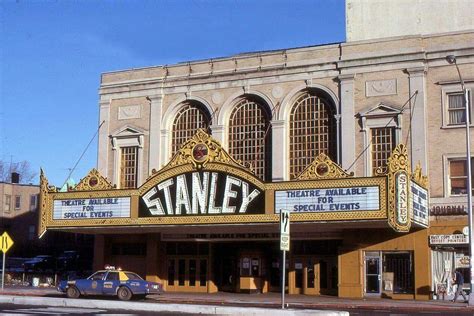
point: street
(13, 309)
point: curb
(162, 307)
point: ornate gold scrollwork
(200, 150)
(92, 182)
(399, 210)
(418, 176)
(45, 202)
(323, 168)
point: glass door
(373, 276)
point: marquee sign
(203, 193)
(203, 185)
(401, 198)
(91, 208)
(399, 209)
(419, 203)
(328, 200)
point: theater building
(197, 159)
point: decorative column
(152, 257)
(156, 105)
(103, 139)
(418, 113)
(218, 133)
(279, 151)
(164, 152)
(347, 122)
(99, 249)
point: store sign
(401, 197)
(448, 239)
(446, 209)
(201, 193)
(328, 200)
(461, 261)
(97, 208)
(419, 202)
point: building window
(401, 265)
(188, 120)
(458, 176)
(31, 232)
(17, 202)
(382, 143)
(128, 167)
(312, 131)
(454, 106)
(33, 202)
(456, 109)
(250, 137)
(8, 202)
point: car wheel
(73, 292)
(124, 293)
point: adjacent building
(20, 205)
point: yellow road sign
(5, 242)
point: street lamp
(451, 59)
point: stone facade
(371, 19)
(409, 74)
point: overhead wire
(83, 153)
(391, 119)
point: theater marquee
(204, 185)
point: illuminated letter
(200, 192)
(182, 197)
(228, 193)
(246, 198)
(154, 206)
(166, 186)
(212, 196)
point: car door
(111, 283)
(94, 284)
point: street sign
(284, 246)
(5, 242)
(285, 230)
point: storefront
(449, 252)
(206, 223)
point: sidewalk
(272, 300)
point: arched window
(250, 136)
(188, 120)
(312, 131)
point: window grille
(401, 265)
(247, 140)
(188, 120)
(383, 143)
(456, 109)
(312, 131)
(128, 167)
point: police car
(112, 282)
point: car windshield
(133, 276)
(99, 275)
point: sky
(52, 54)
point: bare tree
(22, 167)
